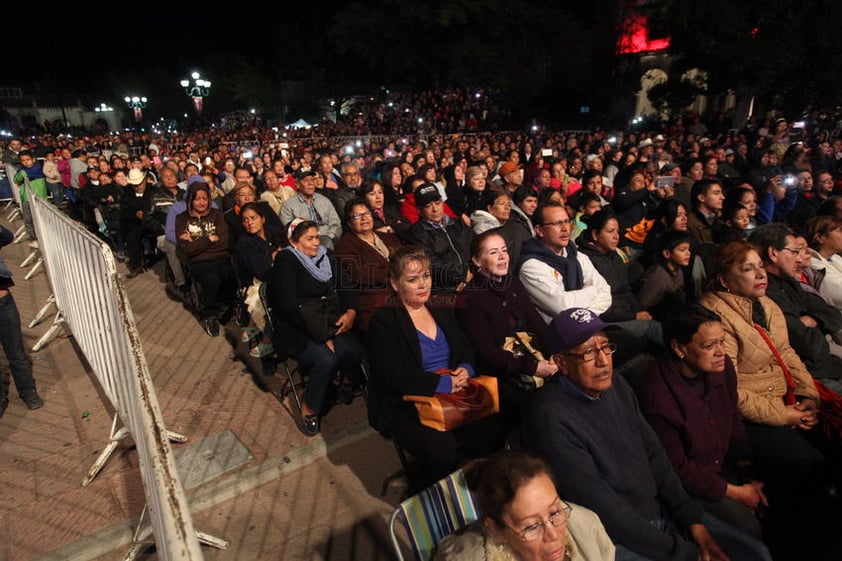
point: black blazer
(394, 353)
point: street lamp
(197, 90)
(137, 104)
(103, 108)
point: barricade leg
(32, 257)
(141, 540)
(43, 312)
(35, 268)
(20, 233)
(58, 325)
(113, 440)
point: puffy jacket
(761, 384)
(449, 249)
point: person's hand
(709, 550)
(643, 315)
(213, 238)
(330, 346)
(750, 494)
(185, 236)
(109, 199)
(345, 321)
(669, 192)
(808, 321)
(799, 416)
(458, 380)
(466, 220)
(546, 368)
(139, 214)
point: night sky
(92, 38)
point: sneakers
(134, 272)
(32, 399)
(249, 333)
(262, 349)
(211, 326)
(310, 424)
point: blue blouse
(435, 355)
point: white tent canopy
(300, 124)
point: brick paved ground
(299, 498)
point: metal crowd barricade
(92, 302)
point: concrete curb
(216, 492)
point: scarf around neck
(318, 266)
(568, 266)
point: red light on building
(635, 37)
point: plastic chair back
(432, 514)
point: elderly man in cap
(313, 206)
(588, 424)
(137, 220)
(511, 176)
(447, 240)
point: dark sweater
(489, 312)
(697, 432)
(607, 458)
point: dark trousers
(133, 233)
(793, 469)
(11, 339)
(439, 453)
(217, 285)
(321, 365)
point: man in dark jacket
(809, 319)
(605, 456)
(137, 219)
(447, 241)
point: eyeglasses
(557, 223)
(590, 354)
(558, 518)
(360, 216)
(794, 250)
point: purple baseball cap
(574, 326)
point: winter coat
(761, 384)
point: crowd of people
(542, 260)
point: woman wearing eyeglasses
(524, 519)
(363, 258)
(778, 401)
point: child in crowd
(589, 204)
(661, 288)
(736, 220)
(31, 179)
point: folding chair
(432, 514)
(290, 386)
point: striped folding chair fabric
(432, 514)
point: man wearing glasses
(556, 275)
(587, 423)
(809, 319)
(347, 190)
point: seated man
(313, 206)
(556, 275)
(809, 319)
(607, 458)
(446, 240)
